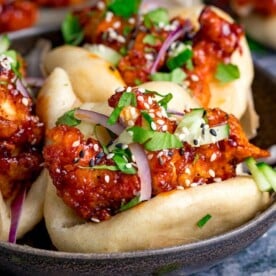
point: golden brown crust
(166, 220)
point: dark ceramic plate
(34, 255)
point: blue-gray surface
(259, 259)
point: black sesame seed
(92, 162)
(181, 151)
(170, 153)
(213, 132)
(111, 68)
(195, 142)
(81, 154)
(98, 157)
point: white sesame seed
(150, 156)
(194, 77)
(164, 128)
(161, 153)
(217, 179)
(124, 146)
(140, 98)
(76, 144)
(108, 16)
(213, 157)
(194, 184)
(133, 112)
(130, 123)
(117, 24)
(129, 89)
(131, 20)
(147, 106)
(101, 5)
(121, 39)
(160, 122)
(212, 173)
(153, 125)
(149, 56)
(107, 178)
(95, 220)
(129, 165)
(150, 100)
(96, 147)
(110, 155)
(25, 101)
(187, 171)
(57, 170)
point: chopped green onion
(14, 62)
(130, 204)
(180, 59)
(124, 8)
(147, 118)
(101, 167)
(71, 30)
(204, 220)
(227, 72)
(156, 17)
(150, 39)
(123, 165)
(269, 173)
(68, 118)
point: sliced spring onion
(269, 173)
(68, 118)
(204, 220)
(180, 59)
(130, 204)
(124, 8)
(16, 210)
(4, 43)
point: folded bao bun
(32, 211)
(87, 72)
(168, 219)
(231, 97)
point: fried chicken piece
(21, 135)
(17, 15)
(97, 193)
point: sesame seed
(130, 122)
(119, 89)
(160, 122)
(213, 157)
(153, 125)
(100, 5)
(129, 89)
(194, 77)
(131, 20)
(110, 155)
(195, 141)
(92, 162)
(76, 160)
(150, 100)
(57, 170)
(188, 171)
(76, 144)
(140, 98)
(81, 154)
(187, 182)
(213, 132)
(161, 161)
(95, 220)
(217, 179)
(25, 101)
(133, 111)
(212, 173)
(194, 184)
(117, 24)
(150, 156)
(146, 105)
(96, 147)
(108, 16)
(128, 165)
(149, 56)
(107, 178)
(181, 151)
(179, 188)
(164, 128)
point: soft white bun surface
(166, 220)
(93, 79)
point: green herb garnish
(4, 43)
(177, 76)
(124, 8)
(180, 59)
(68, 118)
(127, 99)
(150, 39)
(203, 220)
(71, 30)
(227, 72)
(156, 17)
(130, 204)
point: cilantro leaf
(150, 39)
(68, 118)
(227, 72)
(124, 8)
(71, 30)
(156, 17)
(177, 76)
(122, 164)
(180, 59)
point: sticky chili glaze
(17, 15)
(58, 3)
(21, 136)
(97, 194)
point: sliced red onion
(98, 118)
(22, 88)
(165, 46)
(35, 82)
(136, 149)
(143, 170)
(16, 210)
(174, 112)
